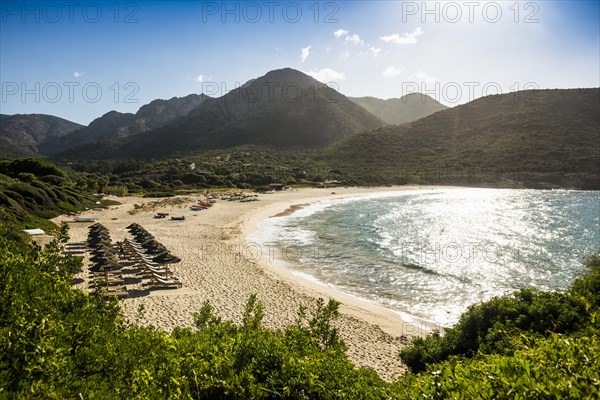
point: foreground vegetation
(56, 342)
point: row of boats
(240, 196)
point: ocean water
(432, 253)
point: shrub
(557, 367)
(587, 287)
(32, 199)
(35, 166)
(487, 327)
(32, 195)
(26, 177)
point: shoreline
(215, 268)
(392, 322)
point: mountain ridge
(549, 138)
(284, 107)
(397, 111)
(117, 125)
(24, 135)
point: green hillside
(541, 138)
(33, 190)
(27, 135)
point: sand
(221, 266)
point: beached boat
(178, 218)
(84, 219)
(33, 232)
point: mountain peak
(283, 108)
(418, 97)
(286, 77)
(274, 89)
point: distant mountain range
(115, 125)
(408, 108)
(24, 135)
(284, 108)
(549, 138)
(541, 138)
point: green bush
(587, 287)
(148, 184)
(32, 195)
(31, 200)
(54, 180)
(488, 327)
(557, 367)
(26, 177)
(35, 166)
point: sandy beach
(220, 265)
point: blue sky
(82, 60)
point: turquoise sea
(432, 253)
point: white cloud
(421, 76)
(407, 38)
(305, 53)
(391, 72)
(200, 78)
(77, 74)
(327, 75)
(354, 39)
(348, 38)
(375, 50)
(340, 33)
(371, 51)
(346, 55)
